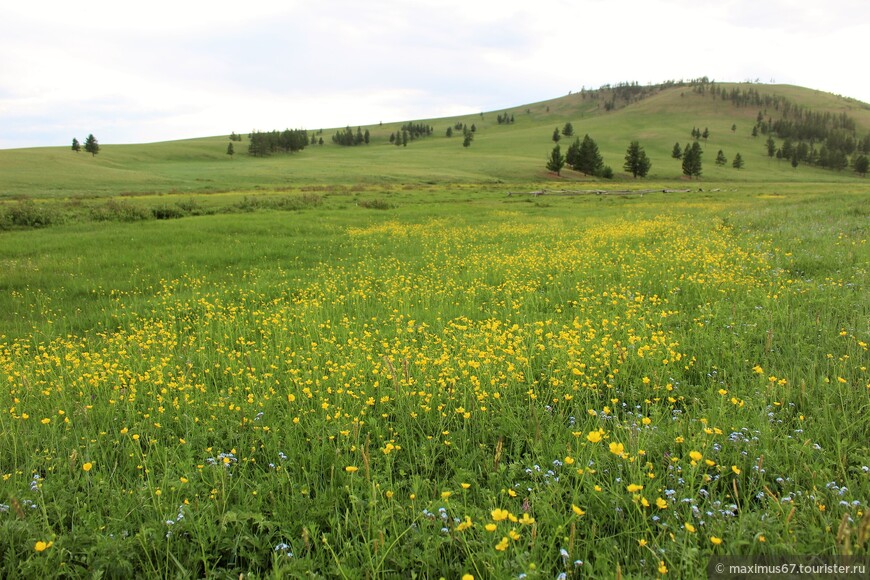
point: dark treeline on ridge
(819, 138)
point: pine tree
(861, 164)
(677, 152)
(738, 162)
(692, 160)
(636, 160)
(771, 146)
(720, 158)
(568, 130)
(556, 161)
(556, 135)
(230, 150)
(91, 145)
(76, 146)
(589, 160)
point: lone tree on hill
(636, 161)
(91, 145)
(230, 149)
(568, 129)
(720, 158)
(738, 162)
(589, 160)
(556, 161)
(692, 160)
(76, 146)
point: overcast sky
(158, 70)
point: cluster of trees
(823, 139)
(721, 160)
(504, 119)
(698, 134)
(348, 138)
(235, 137)
(92, 146)
(584, 156)
(263, 144)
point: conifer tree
(636, 160)
(92, 146)
(556, 161)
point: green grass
(218, 374)
(374, 362)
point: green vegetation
(372, 361)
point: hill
(657, 116)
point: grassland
(331, 378)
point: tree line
(265, 143)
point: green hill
(656, 116)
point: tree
(469, 137)
(636, 160)
(572, 158)
(450, 131)
(794, 159)
(556, 161)
(230, 150)
(92, 146)
(771, 146)
(692, 160)
(738, 162)
(720, 158)
(677, 152)
(755, 131)
(733, 127)
(705, 134)
(568, 130)
(367, 137)
(76, 146)
(556, 135)
(861, 164)
(589, 160)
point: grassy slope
(514, 153)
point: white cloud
(162, 70)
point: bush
(375, 204)
(167, 212)
(27, 214)
(114, 210)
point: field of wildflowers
(515, 392)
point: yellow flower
(662, 568)
(641, 542)
(689, 527)
(88, 466)
(490, 527)
(617, 448)
(577, 510)
(661, 503)
(569, 460)
(499, 515)
(351, 469)
(464, 525)
(465, 486)
(695, 455)
(502, 545)
(735, 469)
(634, 488)
(42, 546)
(715, 541)
(467, 577)
(515, 535)
(446, 494)
(46, 421)
(527, 519)
(594, 436)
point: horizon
(178, 72)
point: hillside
(499, 153)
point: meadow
(437, 381)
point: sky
(134, 72)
